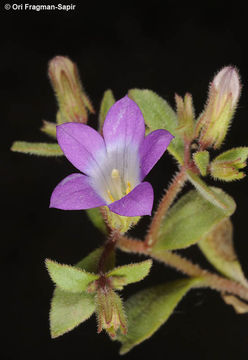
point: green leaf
(201, 159)
(218, 248)
(148, 309)
(216, 197)
(96, 218)
(107, 101)
(191, 218)
(69, 310)
(42, 149)
(49, 128)
(159, 115)
(131, 273)
(69, 278)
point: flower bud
(223, 97)
(185, 114)
(72, 100)
(226, 166)
(110, 312)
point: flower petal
(82, 145)
(137, 203)
(124, 124)
(152, 148)
(75, 193)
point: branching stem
(185, 266)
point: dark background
(160, 46)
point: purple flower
(114, 165)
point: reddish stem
(165, 203)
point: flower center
(119, 187)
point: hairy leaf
(217, 197)
(159, 115)
(42, 149)
(201, 159)
(190, 219)
(69, 278)
(132, 272)
(69, 310)
(148, 309)
(218, 248)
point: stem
(165, 203)
(108, 248)
(185, 266)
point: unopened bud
(223, 97)
(226, 166)
(72, 100)
(185, 114)
(110, 312)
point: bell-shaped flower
(113, 166)
(223, 98)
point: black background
(160, 46)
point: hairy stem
(108, 248)
(185, 266)
(165, 203)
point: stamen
(128, 189)
(110, 196)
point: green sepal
(191, 218)
(148, 309)
(226, 165)
(49, 128)
(128, 274)
(217, 197)
(68, 310)
(110, 312)
(201, 160)
(97, 219)
(119, 222)
(42, 149)
(69, 278)
(218, 248)
(107, 101)
(159, 115)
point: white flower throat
(119, 187)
